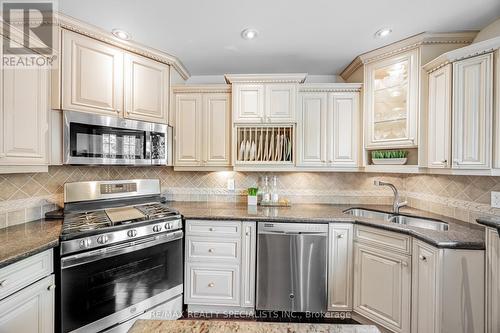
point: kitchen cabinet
(220, 265)
(202, 129)
(472, 112)
(328, 128)
(146, 89)
(492, 280)
(280, 103)
(24, 118)
(27, 297)
(92, 75)
(439, 118)
(340, 266)
(392, 101)
(382, 284)
(248, 103)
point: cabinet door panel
(439, 131)
(248, 103)
(217, 120)
(343, 124)
(92, 74)
(188, 129)
(472, 112)
(312, 130)
(492, 280)
(248, 262)
(382, 282)
(280, 102)
(340, 267)
(146, 89)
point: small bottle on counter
(274, 190)
(266, 194)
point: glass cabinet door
(392, 112)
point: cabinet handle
(211, 285)
(423, 258)
(51, 287)
(211, 250)
(340, 236)
(3, 283)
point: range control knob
(85, 243)
(168, 225)
(157, 228)
(132, 233)
(103, 239)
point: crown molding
(331, 87)
(351, 68)
(202, 88)
(265, 78)
(486, 46)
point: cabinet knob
(51, 287)
(211, 250)
(3, 283)
(444, 161)
(423, 258)
(247, 233)
(340, 236)
(211, 285)
(211, 229)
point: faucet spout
(396, 204)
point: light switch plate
(230, 184)
(495, 199)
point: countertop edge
(31, 252)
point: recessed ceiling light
(249, 34)
(382, 33)
(120, 34)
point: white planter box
(389, 161)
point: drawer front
(212, 284)
(213, 228)
(23, 273)
(213, 249)
(382, 238)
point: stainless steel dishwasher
(291, 267)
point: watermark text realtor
(29, 34)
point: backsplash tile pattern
(26, 197)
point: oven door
(104, 287)
(94, 139)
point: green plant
(252, 191)
(381, 154)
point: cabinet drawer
(213, 228)
(385, 239)
(213, 249)
(22, 273)
(212, 284)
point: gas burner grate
(85, 221)
(155, 211)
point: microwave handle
(147, 146)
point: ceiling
(310, 36)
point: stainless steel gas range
(120, 256)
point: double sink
(413, 221)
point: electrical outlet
(495, 199)
(230, 184)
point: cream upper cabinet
(202, 128)
(146, 89)
(492, 280)
(340, 261)
(92, 75)
(248, 103)
(439, 118)
(343, 129)
(24, 117)
(188, 129)
(472, 112)
(391, 101)
(217, 122)
(280, 102)
(312, 122)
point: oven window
(106, 142)
(100, 288)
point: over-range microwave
(90, 139)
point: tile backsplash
(26, 197)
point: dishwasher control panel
(291, 227)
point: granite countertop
(226, 326)
(460, 235)
(24, 240)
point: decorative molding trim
(205, 88)
(328, 87)
(351, 68)
(265, 78)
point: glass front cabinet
(391, 108)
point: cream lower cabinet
(328, 129)
(340, 263)
(382, 278)
(24, 118)
(220, 265)
(202, 130)
(473, 112)
(492, 280)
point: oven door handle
(87, 257)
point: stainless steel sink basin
(359, 212)
(420, 222)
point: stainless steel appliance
(94, 139)
(291, 267)
(121, 256)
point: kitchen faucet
(395, 204)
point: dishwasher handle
(293, 233)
